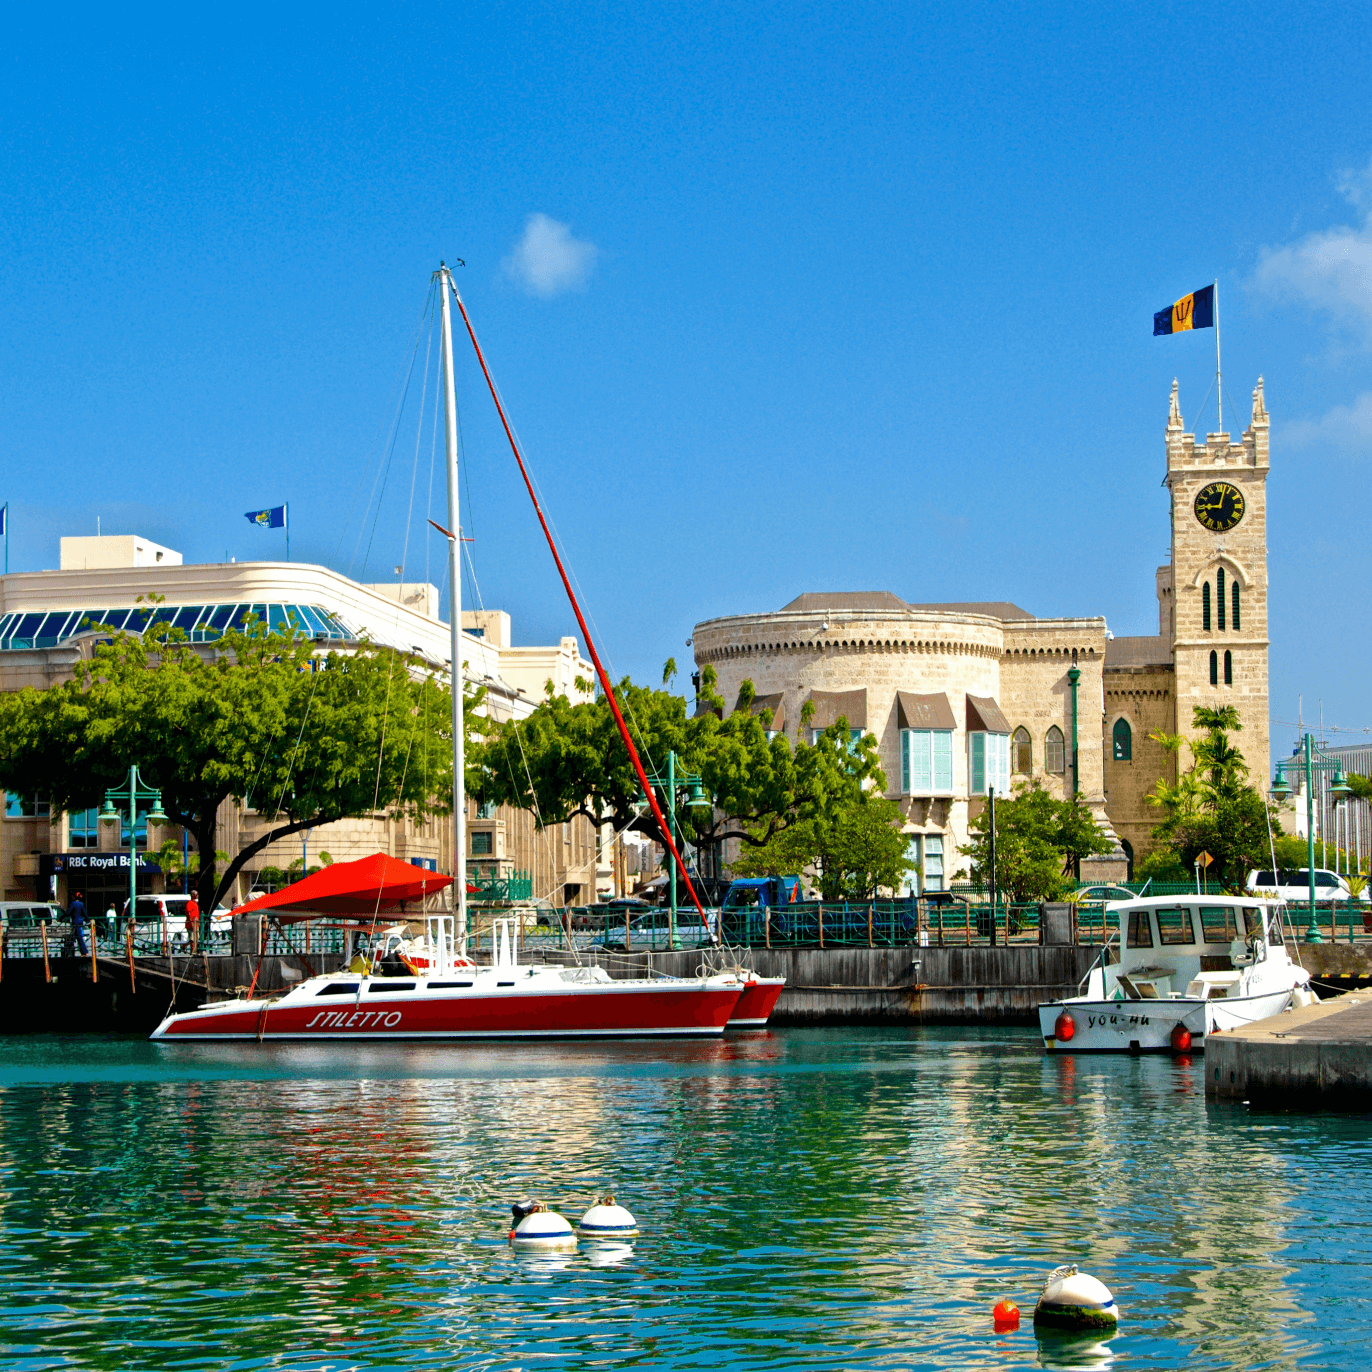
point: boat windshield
(1220, 924)
(1140, 929)
(1174, 925)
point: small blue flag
(4, 518)
(268, 519)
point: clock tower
(1214, 595)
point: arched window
(1228, 667)
(1053, 760)
(1021, 752)
(1124, 741)
(1234, 596)
(1219, 599)
(1214, 668)
(1205, 606)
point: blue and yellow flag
(269, 519)
(1194, 311)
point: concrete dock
(1317, 1058)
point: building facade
(44, 619)
(964, 697)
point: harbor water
(820, 1198)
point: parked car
(25, 914)
(150, 911)
(651, 932)
(1292, 884)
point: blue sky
(781, 298)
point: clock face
(1219, 506)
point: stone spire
(1174, 409)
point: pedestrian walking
(193, 924)
(111, 924)
(76, 912)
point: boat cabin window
(377, 987)
(1220, 924)
(339, 988)
(1140, 930)
(1174, 925)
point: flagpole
(7, 538)
(287, 521)
(1219, 392)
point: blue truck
(748, 900)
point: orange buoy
(1064, 1027)
(1005, 1316)
(1180, 1038)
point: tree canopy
(1211, 808)
(1040, 843)
(568, 759)
(256, 717)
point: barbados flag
(268, 519)
(1194, 311)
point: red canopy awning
(359, 889)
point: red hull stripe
(521, 1015)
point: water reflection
(807, 1200)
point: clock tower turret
(1218, 588)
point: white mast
(445, 285)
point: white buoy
(539, 1229)
(608, 1222)
(1071, 1299)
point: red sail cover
(361, 889)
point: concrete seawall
(920, 985)
(1316, 1058)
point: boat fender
(541, 1228)
(1070, 1299)
(1064, 1027)
(1180, 1039)
(607, 1221)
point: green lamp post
(130, 791)
(1307, 763)
(696, 798)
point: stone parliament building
(963, 697)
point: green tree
(1211, 808)
(568, 759)
(256, 718)
(854, 850)
(1040, 843)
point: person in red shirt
(193, 923)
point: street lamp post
(132, 790)
(696, 799)
(1311, 760)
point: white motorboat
(1184, 967)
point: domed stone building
(970, 696)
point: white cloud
(548, 260)
(1347, 428)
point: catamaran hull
(1146, 1026)
(653, 1010)
(755, 1005)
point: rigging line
(384, 470)
(429, 504)
(385, 720)
(537, 492)
(576, 609)
(309, 705)
(395, 387)
(414, 476)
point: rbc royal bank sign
(55, 864)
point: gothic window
(1053, 751)
(1228, 667)
(1205, 606)
(1022, 752)
(1124, 741)
(1214, 666)
(1234, 596)
(1219, 598)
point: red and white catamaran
(448, 996)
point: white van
(29, 914)
(1292, 884)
